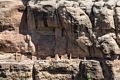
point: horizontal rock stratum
(59, 39)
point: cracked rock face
(15, 70)
(56, 70)
(61, 27)
(118, 13)
(64, 20)
(104, 12)
(91, 70)
(59, 39)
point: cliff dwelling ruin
(59, 39)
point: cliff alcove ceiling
(59, 39)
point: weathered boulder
(108, 45)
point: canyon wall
(59, 39)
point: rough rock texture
(10, 14)
(57, 70)
(10, 70)
(62, 27)
(73, 27)
(11, 42)
(58, 26)
(91, 70)
(80, 39)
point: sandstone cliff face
(16, 70)
(59, 39)
(10, 12)
(57, 70)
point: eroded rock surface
(91, 70)
(12, 70)
(57, 70)
(80, 39)
(11, 14)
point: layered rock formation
(16, 70)
(59, 39)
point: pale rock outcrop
(86, 5)
(84, 42)
(109, 45)
(31, 46)
(10, 14)
(104, 16)
(12, 42)
(114, 69)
